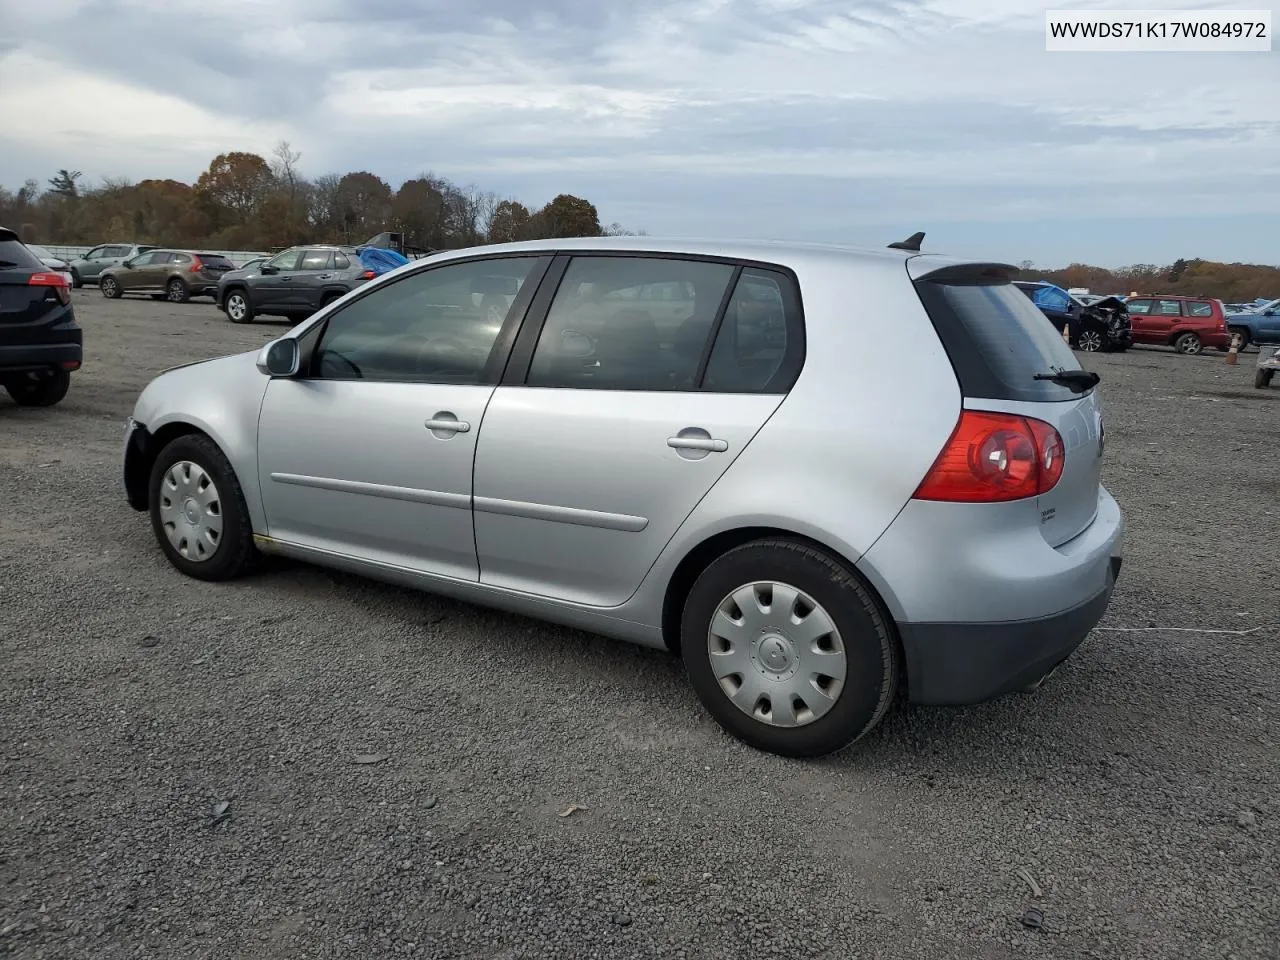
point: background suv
(295, 283)
(1188, 324)
(86, 269)
(177, 274)
(40, 342)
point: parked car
(177, 275)
(1268, 364)
(1188, 324)
(40, 342)
(57, 264)
(86, 269)
(1259, 325)
(1102, 324)
(294, 283)
(689, 485)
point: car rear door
(613, 421)
(303, 287)
(1164, 316)
(1139, 311)
(368, 453)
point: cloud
(666, 114)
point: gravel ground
(1138, 788)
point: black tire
(243, 313)
(1242, 333)
(175, 291)
(76, 282)
(1189, 343)
(871, 649)
(234, 553)
(1262, 378)
(39, 389)
(110, 288)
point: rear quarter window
(997, 340)
(1200, 309)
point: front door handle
(447, 424)
(709, 444)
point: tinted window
(148, 259)
(340, 261)
(315, 260)
(217, 261)
(629, 323)
(431, 327)
(1168, 308)
(286, 261)
(997, 340)
(179, 258)
(1200, 309)
(759, 347)
(1139, 306)
(14, 254)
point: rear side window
(315, 260)
(340, 261)
(179, 258)
(1200, 309)
(1169, 308)
(997, 340)
(14, 254)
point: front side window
(286, 261)
(437, 326)
(99, 253)
(629, 323)
(315, 260)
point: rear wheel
(39, 389)
(75, 280)
(787, 649)
(238, 308)
(175, 291)
(110, 288)
(198, 513)
(1188, 343)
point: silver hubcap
(109, 287)
(191, 511)
(1190, 346)
(175, 291)
(235, 306)
(777, 654)
(1090, 341)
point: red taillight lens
(993, 457)
(57, 281)
(368, 274)
(196, 265)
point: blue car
(1102, 325)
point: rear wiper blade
(1076, 380)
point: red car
(1188, 324)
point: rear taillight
(59, 283)
(993, 457)
(368, 274)
(196, 264)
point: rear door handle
(709, 444)
(449, 426)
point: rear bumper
(967, 663)
(20, 358)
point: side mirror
(279, 358)
(127, 264)
(268, 268)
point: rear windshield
(998, 340)
(14, 254)
(215, 260)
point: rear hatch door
(26, 310)
(999, 343)
(214, 266)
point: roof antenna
(911, 243)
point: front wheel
(110, 288)
(198, 513)
(238, 308)
(39, 389)
(1188, 343)
(787, 649)
(1090, 341)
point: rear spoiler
(947, 270)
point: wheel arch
(704, 553)
(140, 456)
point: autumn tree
(235, 185)
(510, 222)
(568, 216)
(364, 202)
(418, 210)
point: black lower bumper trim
(958, 664)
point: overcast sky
(855, 121)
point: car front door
(136, 274)
(368, 453)
(269, 289)
(613, 422)
(1139, 312)
(94, 262)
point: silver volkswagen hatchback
(712, 448)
